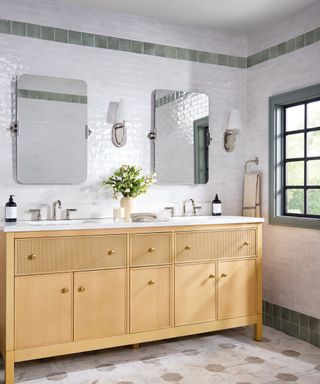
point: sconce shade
(123, 111)
(234, 122)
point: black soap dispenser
(216, 206)
(11, 210)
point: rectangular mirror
(51, 130)
(180, 137)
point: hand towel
(251, 195)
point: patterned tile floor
(228, 357)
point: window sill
(299, 222)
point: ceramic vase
(128, 204)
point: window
(295, 158)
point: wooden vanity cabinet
(66, 292)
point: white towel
(251, 195)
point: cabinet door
(150, 298)
(237, 288)
(99, 303)
(43, 310)
(195, 293)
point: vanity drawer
(150, 249)
(208, 245)
(69, 253)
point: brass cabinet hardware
(64, 290)
(81, 289)
(224, 275)
(151, 282)
(32, 257)
(152, 249)
(211, 276)
(188, 247)
(246, 243)
(112, 252)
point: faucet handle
(195, 209)
(171, 209)
(38, 212)
(68, 212)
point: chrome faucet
(194, 207)
(54, 210)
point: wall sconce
(119, 129)
(233, 127)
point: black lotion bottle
(11, 211)
(216, 206)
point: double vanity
(76, 286)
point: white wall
(291, 255)
(112, 75)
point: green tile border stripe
(52, 96)
(170, 98)
(60, 35)
(304, 327)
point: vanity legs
(258, 329)
(9, 368)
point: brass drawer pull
(151, 282)
(188, 247)
(81, 289)
(32, 257)
(224, 275)
(151, 249)
(64, 290)
(112, 252)
(211, 276)
(246, 243)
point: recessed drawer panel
(208, 245)
(70, 253)
(150, 249)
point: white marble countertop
(61, 225)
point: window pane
(295, 201)
(314, 143)
(295, 118)
(313, 172)
(313, 199)
(295, 173)
(295, 145)
(313, 114)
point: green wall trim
(66, 36)
(52, 96)
(304, 327)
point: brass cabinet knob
(112, 252)
(151, 282)
(32, 257)
(64, 290)
(224, 275)
(188, 247)
(211, 276)
(246, 243)
(151, 249)
(81, 289)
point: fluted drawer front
(150, 249)
(69, 253)
(208, 245)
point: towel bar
(256, 161)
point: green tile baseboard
(52, 96)
(66, 36)
(304, 327)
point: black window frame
(277, 163)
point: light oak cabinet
(150, 298)
(43, 310)
(71, 291)
(99, 304)
(237, 288)
(195, 293)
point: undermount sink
(188, 218)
